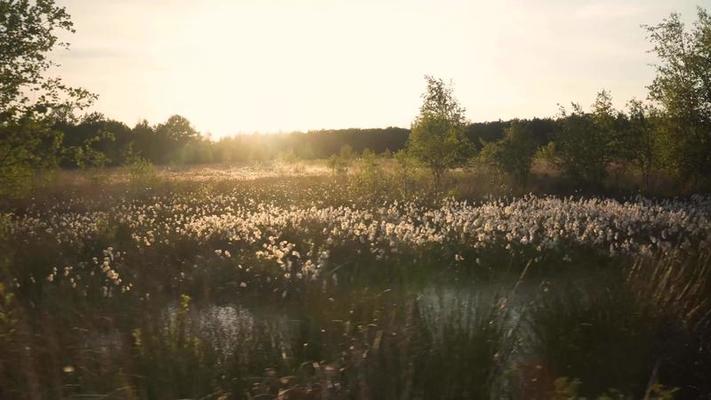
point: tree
(30, 101)
(437, 135)
(642, 140)
(682, 89)
(169, 138)
(178, 129)
(94, 141)
(609, 123)
(587, 142)
(28, 33)
(514, 153)
(25, 148)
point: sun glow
(242, 66)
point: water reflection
(444, 338)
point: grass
(364, 286)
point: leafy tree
(437, 136)
(370, 180)
(609, 123)
(164, 143)
(514, 153)
(28, 33)
(587, 142)
(144, 142)
(87, 155)
(178, 129)
(682, 89)
(95, 141)
(30, 101)
(172, 137)
(26, 147)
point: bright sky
(233, 66)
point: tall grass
(293, 288)
(634, 330)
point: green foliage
(580, 149)
(587, 142)
(643, 146)
(28, 144)
(609, 123)
(546, 153)
(87, 155)
(682, 88)
(437, 137)
(178, 129)
(370, 179)
(27, 149)
(669, 139)
(369, 159)
(96, 140)
(171, 138)
(142, 173)
(28, 34)
(405, 172)
(514, 153)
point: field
(297, 282)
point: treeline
(585, 145)
(96, 141)
(108, 142)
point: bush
(142, 173)
(513, 154)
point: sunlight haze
(268, 66)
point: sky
(240, 66)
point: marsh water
(447, 336)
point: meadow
(563, 257)
(298, 281)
